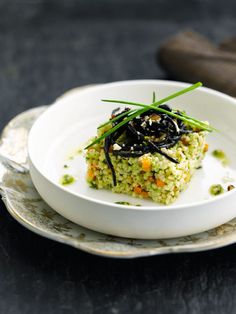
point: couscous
(133, 165)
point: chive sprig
(155, 105)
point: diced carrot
(205, 149)
(146, 164)
(90, 174)
(160, 183)
(138, 189)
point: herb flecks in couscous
(151, 175)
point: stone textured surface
(47, 47)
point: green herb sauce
(219, 154)
(79, 151)
(216, 189)
(127, 203)
(75, 153)
(67, 179)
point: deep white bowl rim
(130, 207)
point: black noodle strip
(162, 153)
(148, 133)
(108, 159)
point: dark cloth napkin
(190, 57)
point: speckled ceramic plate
(25, 205)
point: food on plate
(221, 156)
(126, 203)
(147, 153)
(230, 187)
(67, 179)
(216, 189)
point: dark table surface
(46, 48)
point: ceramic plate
(70, 122)
(27, 207)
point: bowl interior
(59, 135)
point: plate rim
(222, 241)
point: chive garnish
(116, 118)
(134, 113)
(153, 97)
(184, 117)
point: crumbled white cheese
(116, 147)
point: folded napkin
(190, 57)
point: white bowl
(73, 119)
